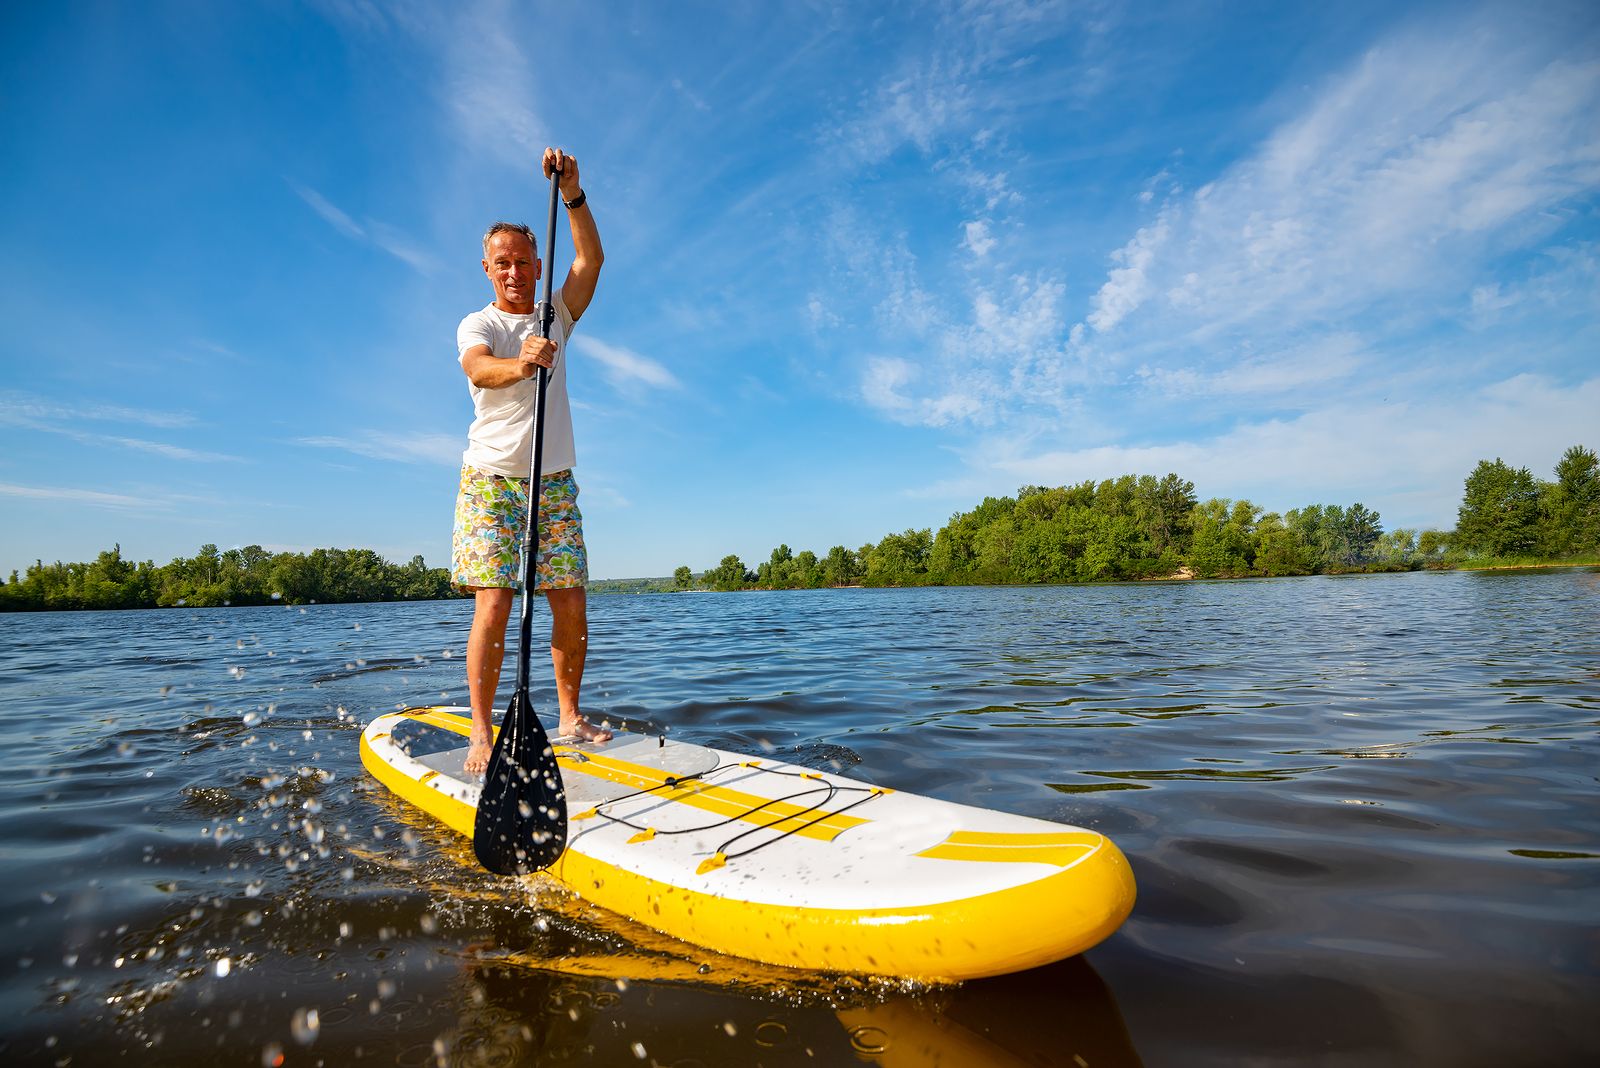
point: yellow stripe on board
(1015, 838)
(990, 847)
(445, 721)
(783, 816)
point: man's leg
(569, 644)
(486, 651)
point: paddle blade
(522, 812)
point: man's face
(514, 270)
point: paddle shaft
(530, 540)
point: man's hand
(558, 162)
(536, 352)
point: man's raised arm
(578, 290)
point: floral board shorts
(491, 516)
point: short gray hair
(510, 228)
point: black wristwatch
(576, 202)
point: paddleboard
(789, 865)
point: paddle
(522, 812)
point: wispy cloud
(1530, 419)
(400, 448)
(1376, 211)
(29, 409)
(1409, 172)
(336, 218)
(52, 417)
(1293, 371)
(388, 238)
(623, 367)
(75, 496)
(695, 100)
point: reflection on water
(1362, 813)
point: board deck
(788, 865)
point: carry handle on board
(521, 825)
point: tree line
(1142, 527)
(247, 576)
(1133, 527)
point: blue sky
(866, 263)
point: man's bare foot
(581, 729)
(478, 757)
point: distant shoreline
(664, 585)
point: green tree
(1165, 509)
(1499, 514)
(1278, 550)
(900, 559)
(1223, 542)
(729, 575)
(805, 574)
(841, 567)
(1361, 530)
(1571, 519)
(683, 578)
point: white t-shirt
(501, 437)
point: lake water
(1362, 813)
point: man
(501, 352)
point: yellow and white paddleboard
(777, 863)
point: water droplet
(639, 1050)
(386, 988)
(271, 1055)
(253, 918)
(305, 1025)
(730, 1028)
(428, 924)
(224, 966)
(252, 718)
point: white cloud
(973, 368)
(978, 240)
(388, 238)
(623, 367)
(1341, 452)
(331, 214)
(695, 101)
(76, 496)
(1128, 285)
(402, 448)
(1427, 158)
(488, 83)
(49, 417)
(1300, 371)
(1383, 210)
